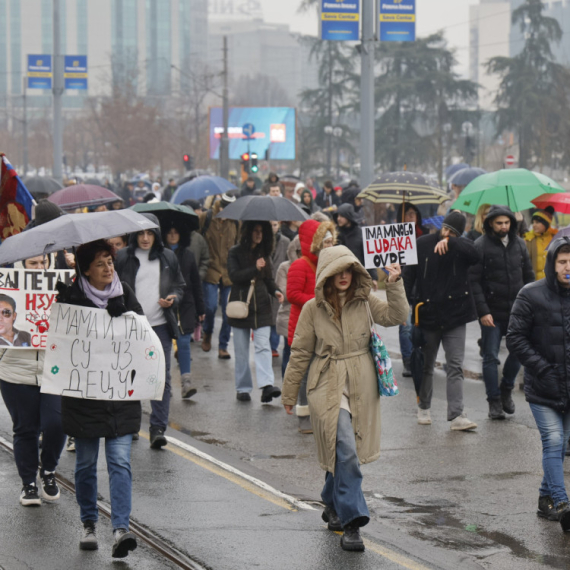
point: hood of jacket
(320, 234)
(306, 233)
(498, 210)
(293, 249)
(549, 268)
(347, 211)
(157, 246)
(409, 206)
(333, 260)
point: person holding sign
(438, 286)
(97, 285)
(332, 341)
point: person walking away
(332, 341)
(314, 237)
(191, 307)
(538, 334)
(249, 261)
(282, 323)
(538, 239)
(279, 255)
(220, 235)
(32, 413)
(439, 285)
(153, 273)
(97, 285)
(503, 269)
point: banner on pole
(40, 72)
(397, 20)
(339, 20)
(26, 299)
(75, 72)
(91, 355)
(388, 244)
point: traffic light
(188, 162)
(245, 161)
(254, 165)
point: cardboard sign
(26, 299)
(91, 355)
(388, 244)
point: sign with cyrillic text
(389, 244)
(94, 356)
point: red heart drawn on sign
(131, 392)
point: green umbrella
(514, 188)
(182, 216)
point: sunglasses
(6, 313)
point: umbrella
(200, 187)
(70, 231)
(81, 195)
(42, 185)
(399, 187)
(417, 358)
(181, 216)
(262, 209)
(560, 202)
(466, 175)
(451, 170)
(514, 188)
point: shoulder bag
(240, 309)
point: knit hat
(46, 211)
(227, 199)
(455, 222)
(543, 217)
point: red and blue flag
(15, 201)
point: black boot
(496, 409)
(407, 373)
(563, 512)
(507, 401)
(351, 539)
(157, 439)
(329, 516)
(546, 508)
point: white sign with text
(388, 244)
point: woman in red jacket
(314, 237)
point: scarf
(101, 298)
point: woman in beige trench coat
(332, 339)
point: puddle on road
(442, 529)
(261, 456)
(462, 478)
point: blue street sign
(339, 20)
(248, 130)
(40, 72)
(75, 72)
(397, 20)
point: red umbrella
(559, 201)
(81, 195)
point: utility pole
(25, 127)
(225, 141)
(57, 94)
(367, 111)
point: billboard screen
(270, 128)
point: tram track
(150, 538)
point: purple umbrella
(81, 195)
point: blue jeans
(286, 357)
(343, 491)
(33, 412)
(274, 338)
(118, 456)
(184, 358)
(211, 293)
(161, 408)
(262, 358)
(405, 332)
(554, 428)
(490, 345)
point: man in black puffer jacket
(538, 334)
(504, 268)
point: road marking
(247, 482)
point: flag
(15, 201)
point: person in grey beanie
(438, 289)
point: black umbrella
(42, 185)
(183, 217)
(417, 358)
(70, 231)
(263, 209)
(466, 175)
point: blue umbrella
(200, 187)
(451, 170)
(466, 175)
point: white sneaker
(462, 423)
(424, 417)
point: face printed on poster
(94, 356)
(26, 300)
(388, 244)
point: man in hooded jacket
(153, 273)
(504, 268)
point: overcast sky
(432, 15)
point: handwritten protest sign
(388, 244)
(26, 298)
(91, 355)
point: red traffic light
(185, 158)
(245, 156)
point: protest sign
(26, 298)
(92, 355)
(388, 244)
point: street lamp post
(336, 133)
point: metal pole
(25, 129)
(57, 95)
(225, 142)
(367, 94)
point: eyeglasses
(6, 313)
